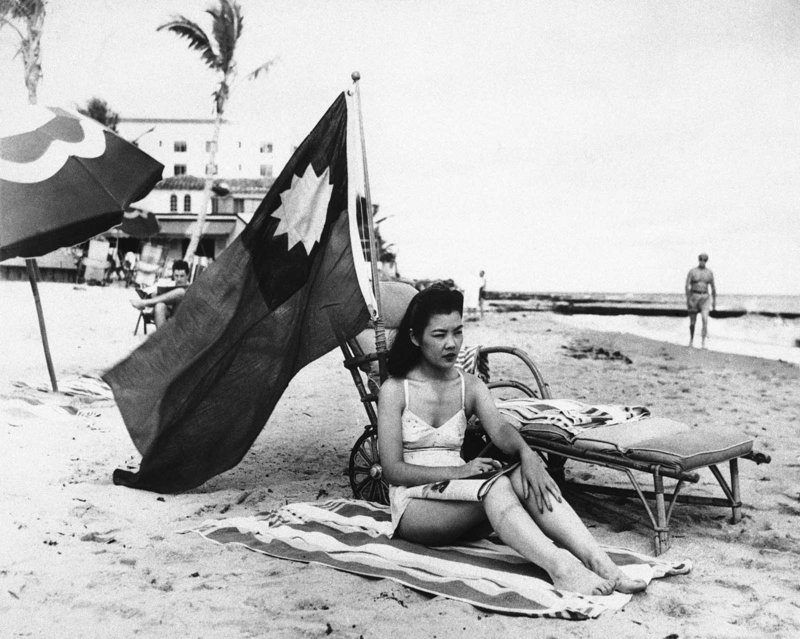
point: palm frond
(227, 25)
(185, 28)
(21, 9)
(264, 68)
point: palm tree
(26, 17)
(218, 55)
(99, 110)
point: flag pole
(380, 333)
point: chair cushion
(621, 437)
(695, 449)
(658, 440)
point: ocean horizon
(751, 303)
(760, 331)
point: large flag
(197, 393)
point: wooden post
(33, 276)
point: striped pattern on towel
(470, 361)
(352, 536)
(574, 417)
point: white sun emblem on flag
(303, 209)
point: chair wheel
(366, 474)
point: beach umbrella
(64, 178)
(139, 223)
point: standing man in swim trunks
(698, 282)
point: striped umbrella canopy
(63, 179)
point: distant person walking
(698, 282)
(482, 290)
(474, 293)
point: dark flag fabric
(196, 394)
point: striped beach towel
(352, 536)
(471, 360)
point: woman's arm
(390, 445)
(536, 480)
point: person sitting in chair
(422, 417)
(166, 300)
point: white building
(182, 146)
(247, 161)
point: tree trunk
(32, 52)
(205, 201)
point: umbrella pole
(33, 269)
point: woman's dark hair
(437, 299)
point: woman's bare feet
(602, 564)
(572, 575)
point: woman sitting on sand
(422, 417)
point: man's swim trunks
(698, 302)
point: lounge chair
(147, 316)
(145, 276)
(659, 447)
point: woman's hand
(537, 481)
(480, 465)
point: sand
(80, 557)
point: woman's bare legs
(563, 526)
(517, 529)
(433, 522)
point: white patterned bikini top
(419, 434)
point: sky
(559, 146)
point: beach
(84, 558)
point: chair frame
(367, 482)
(146, 316)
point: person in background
(129, 267)
(473, 297)
(481, 290)
(167, 299)
(698, 283)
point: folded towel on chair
(566, 417)
(352, 536)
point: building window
(214, 205)
(266, 147)
(238, 205)
(209, 146)
(187, 203)
(211, 169)
(180, 146)
(240, 144)
(173, 203)
(265, 170)
(179, 169)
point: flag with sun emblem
(196, 394)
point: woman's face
(441, 340)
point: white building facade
(247, 162)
